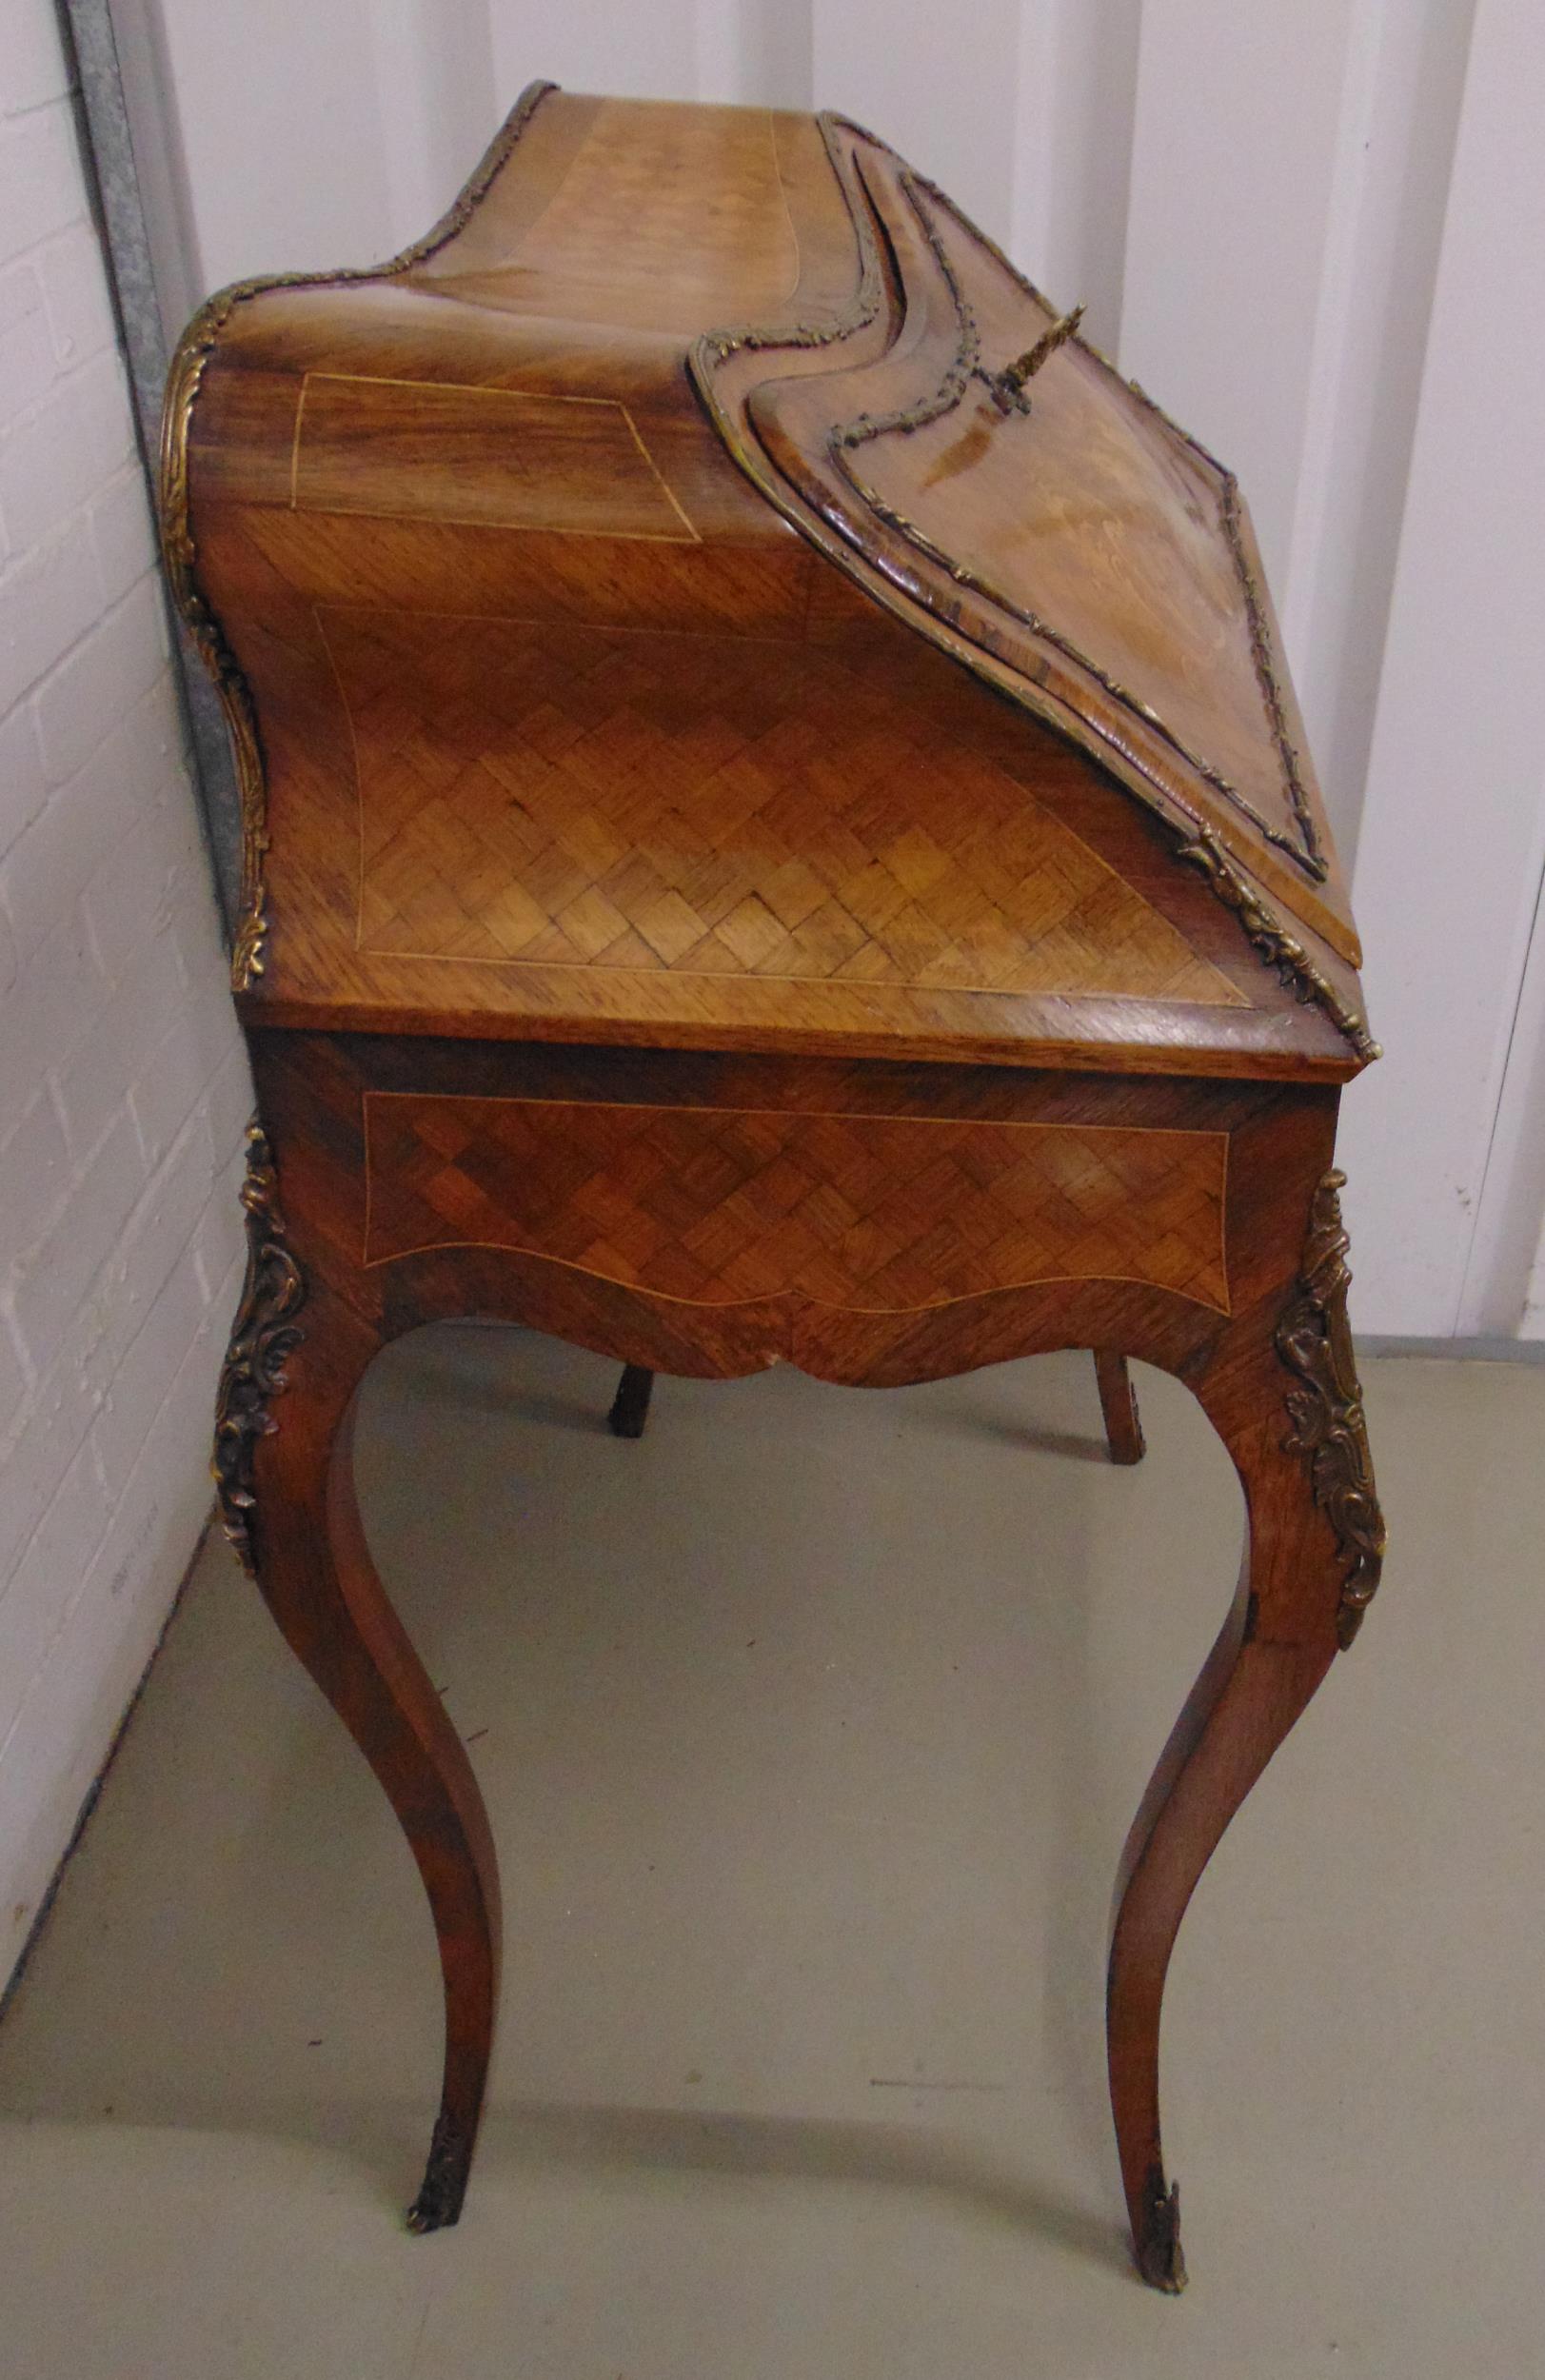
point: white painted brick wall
(124, 1088)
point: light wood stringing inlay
(717, 1206)
(494, 457)
(550, 795)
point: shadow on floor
(803, 2149)
(384, 2143)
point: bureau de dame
(776, 828)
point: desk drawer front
(719, 1206)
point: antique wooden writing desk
(775, 831)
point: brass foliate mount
(1313, 1339)
(1281, 951)
(1006, 387)
(263, 1338)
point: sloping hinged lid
(1051, 527)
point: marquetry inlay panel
(495, 457)
(548, 795)
(872, 1213)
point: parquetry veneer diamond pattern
(713, 805)
(878, 1214)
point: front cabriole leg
(1315, 1542)
(285, 1474)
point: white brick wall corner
(123, 1083)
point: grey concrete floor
(810, 1728)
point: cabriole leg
(1242, 1705)
(1288, 1407)
(283, 1465)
